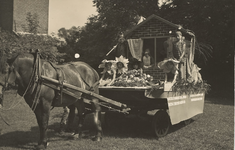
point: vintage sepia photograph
(117, 74)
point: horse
(26, 70)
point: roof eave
(128, 33)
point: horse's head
(7, 77)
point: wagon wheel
(161, 123)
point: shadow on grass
(122, 127)
(116, 126)
(24, 139)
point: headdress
(124, 61)
(164, 65)
(102, 65)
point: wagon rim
(161, 123)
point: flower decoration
(134, 78)
(124, 61)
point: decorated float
(177, 97)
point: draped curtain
(136, 48)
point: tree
(213, 23)
(123, 14)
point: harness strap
(61, 79)
(38, 81)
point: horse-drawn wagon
(44, 84)
(164, 108)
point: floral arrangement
(186, 87)
(134, 78)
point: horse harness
(36, 82)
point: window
(156, 48)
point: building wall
(22, 7)
(153, 28)
(6, 14)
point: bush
(11, 43)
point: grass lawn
(214, 129)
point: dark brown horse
(80, 74)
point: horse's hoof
(97, 138)
(41, 146)
(61, 131)
(75, 136)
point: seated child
(121, 65)
(109, 75)
(147, 59)
(119, 70)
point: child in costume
(147, 59)
(109, 74)
(170, 66)
(119, 70)
(121, 66)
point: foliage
(213, 24)
(11, 43)
(212, 21)
(184, 87)
(124, 14)
(91, 42)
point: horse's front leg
(97, 119)
(42, 113)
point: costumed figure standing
(180, 53)
(122, 48)
(179, 48)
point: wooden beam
(118, 104)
